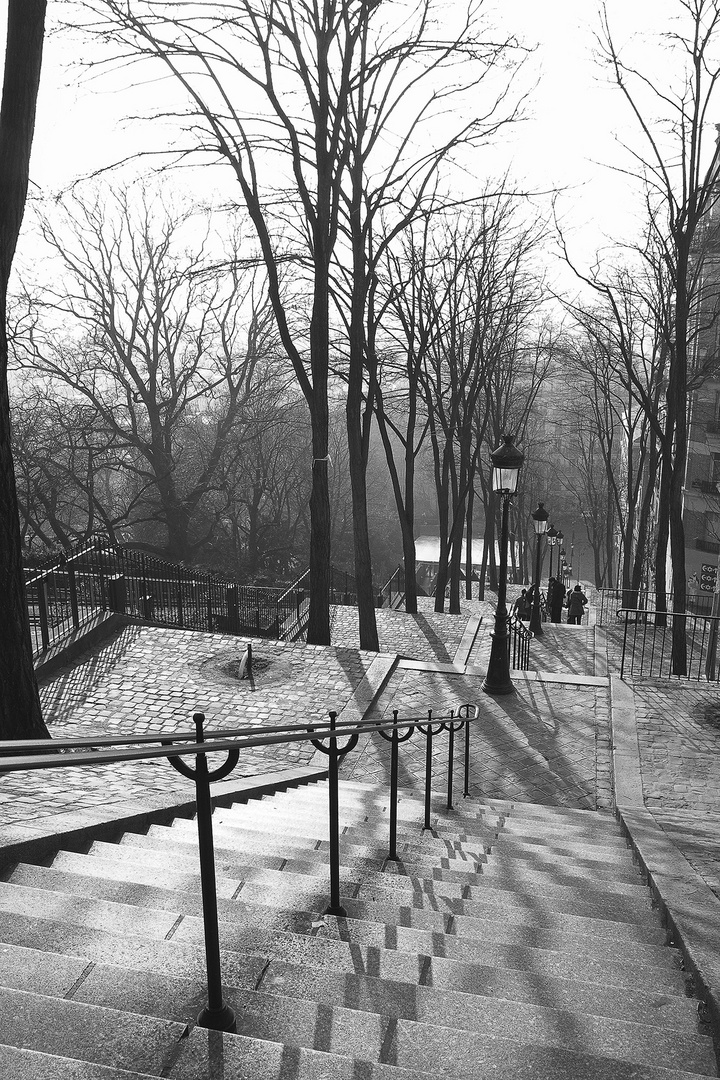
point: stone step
(594, 826)
(248, 1059)
(430, 940)
(408, 832)
(20, 1064)
(29, 922)
(106, 880)
(618, 854)
(493, 1030)
(86, 1032)
(370, 1035)
(449, 883)
(370, 854)
(361, 990)
(358, 791)
(315, 815)
(179, 998)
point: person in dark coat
(556, 599)
(576, 605)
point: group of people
(558, 597)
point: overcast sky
(573, 124)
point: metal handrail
(520, 636)
(648, 644)
(34, 756)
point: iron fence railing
(519, 638)
(647, 649)
(612, 602)
(68, 591)
(335, 739)
(393, 591)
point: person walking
(522, 606)
(556, 598)
(576, 605)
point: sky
(573, 122)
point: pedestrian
(522, 606)
(556, 597)
(576, 605)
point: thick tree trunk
(20, 713)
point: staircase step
(248, 1059)
(31, 918)
(311, 818)
(374, 856)
(87, 1032)
(231, 860)
(521, 927)
(458, 1006)
(589, 938)
(217, 1055)
(496, 1028)
(22, 1064)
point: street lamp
(506, 462)
(561, 563)
(552, 537)
(540, 520)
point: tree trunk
(469, 542)
(20, 712)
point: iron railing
(519, 638)
(35, 756)
(613, 602)
(393, 591)
(70, 590)
(648, 645)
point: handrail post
(335, 907)
(43, 613)
(392, 852)
(72, 588)
(428, 769)
(451, 751)
(466, 790)
(216, 1015)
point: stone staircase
(514, 941)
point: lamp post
(552, 537)
(561, 563)
(540, 520)
(506, 462)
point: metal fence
(612, 602)
(70, 590)
(519, 638)
(648, 645)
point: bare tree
(159, 342)
(339, 87)
(20, 712)
(679, 178)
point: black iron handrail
(519, 638)
(38, 754)
(73, 588)
(613, 602)
(648, 645)
(393, 591)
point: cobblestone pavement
(547, 743)
(560, 649)
(425, 636)
(679, 738)
(150, 678)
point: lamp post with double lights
(552, 536)
(540, 520)
(506, 462)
